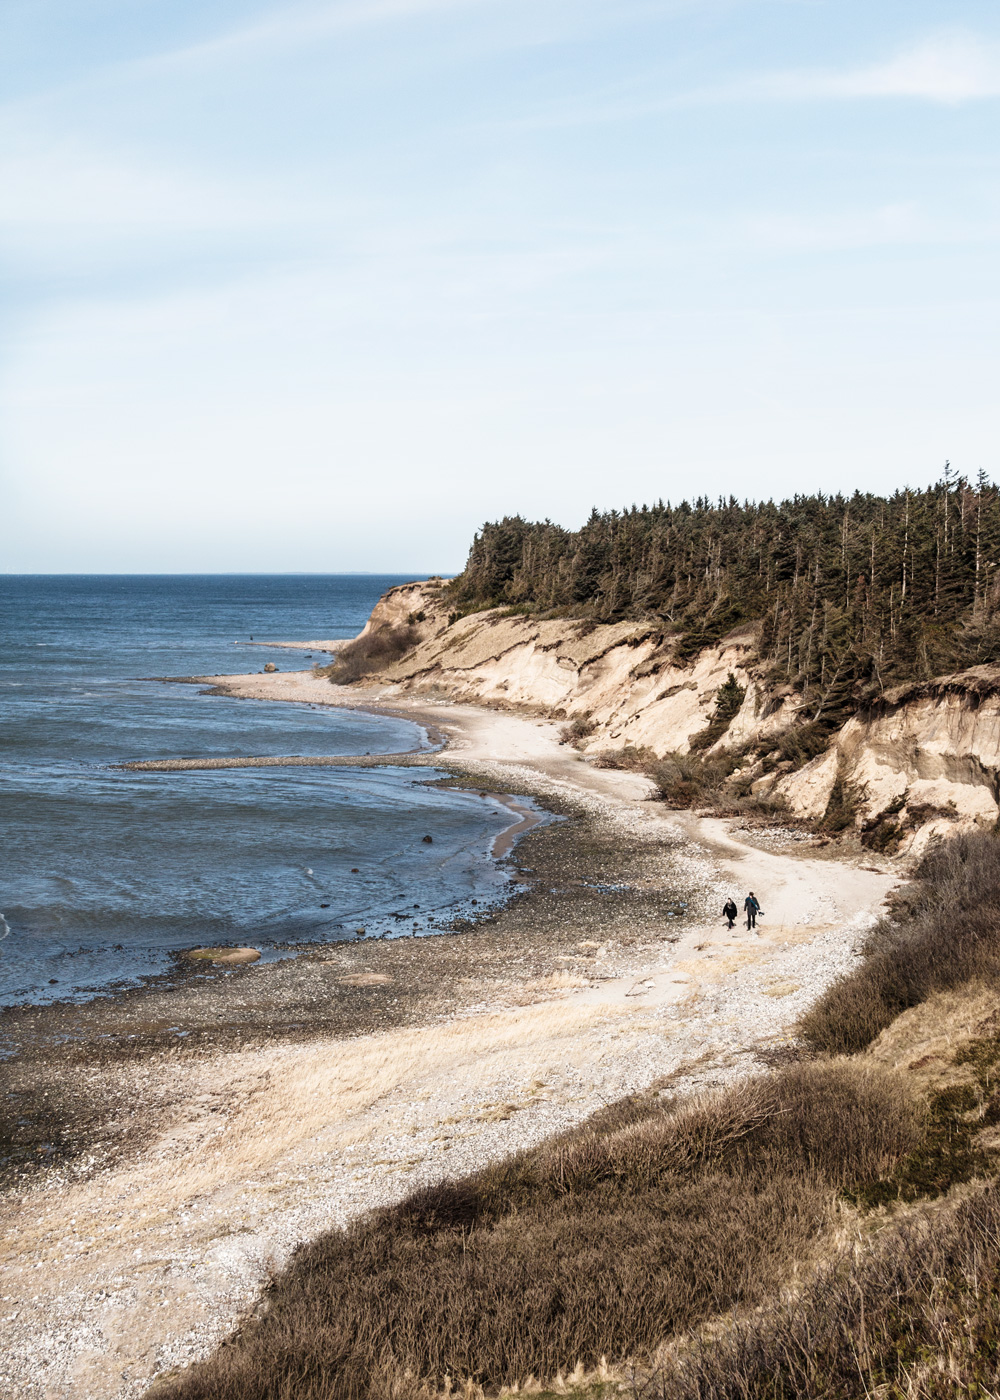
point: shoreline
(221, 1122)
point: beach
(202, 1129)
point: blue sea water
(106, 874)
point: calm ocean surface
(105, 874)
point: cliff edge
(922, 760)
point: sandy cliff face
(401, 606)
(620, 676)
(926, 756)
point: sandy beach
(210, 1127)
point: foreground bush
(949, 935)
(644, 1222)
(916, 1316)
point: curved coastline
(339, 1080)
(452, 901)
(525, 818)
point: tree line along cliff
(850, 594)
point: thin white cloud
(948, 67)
(64, 184)
(889, 225)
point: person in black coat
(729, 911)
(752, 908)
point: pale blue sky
(322, 286)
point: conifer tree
(846, 596)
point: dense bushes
(948, 934)
(645, 1221)
(690, 779)
(714, 781)
(372, 651)
(914, 1316)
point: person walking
(752, 908)
(729, 911)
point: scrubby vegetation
(690, 779)
(914, 1316)
(577, 730)
(849, 594)
(723, 781)
(728, 699)
(372, 651)
(697, 1246)
(647, 1220)
(946, 933)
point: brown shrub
(372, 652)
(703, 780)
(577, 730)
(949, 935)
(631, 759)
(917, 1314)
(644, 1221)
(690, 779)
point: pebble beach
(212, 1127)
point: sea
(107, 875)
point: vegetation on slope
(648, 1220)
(914, 1316)
(371, 651)
(946, 933)
(851, 594)
(664, 1237)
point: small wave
(4, 927)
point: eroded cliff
(922, 760)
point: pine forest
(849, 596)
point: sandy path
(146, 1265)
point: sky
(322, 286)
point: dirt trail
(148, 1264)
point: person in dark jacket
(729, 911)
(752, 908)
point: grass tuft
(912, 1315)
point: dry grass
(922, 1042)
(719, 968)
(913, 1314)
(946, 935)
(561, 981)
(646, 1220)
